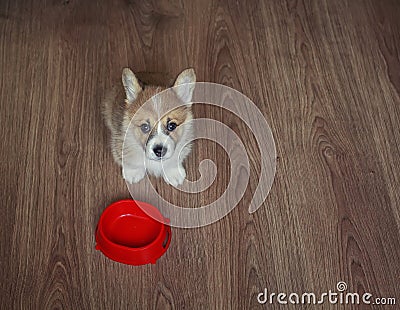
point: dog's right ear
(131, 85)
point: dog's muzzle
(159, 150)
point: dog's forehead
(178, 115)
(163, 102)
(154, 103)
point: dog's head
(156, 127)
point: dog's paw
(175, 176)
(133, 175)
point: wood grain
(324, 73)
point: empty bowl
(132, 232)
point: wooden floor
(326, 75)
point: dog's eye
(171, 126)
(145, 128)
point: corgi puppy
(145, 135)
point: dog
(145, 135)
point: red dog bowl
(132, 232)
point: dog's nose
(159, 150)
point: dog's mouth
(154, 159)
(158, 159)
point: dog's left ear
(185, 92)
